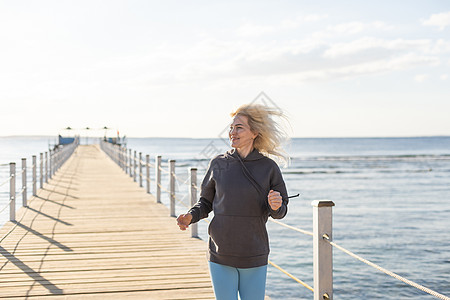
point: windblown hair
(271, 136)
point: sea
(392, 207)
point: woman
(243, 187)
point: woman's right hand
(184, 220)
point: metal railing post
(193, 196)
(50, 154)
(118, 156)
(129, 162)
(172, 187)
(12, 191)
(140, 169)
(34, 175)
(147, 172)
(122, 157)
(158, 178)
(55, 160)
(126, 159)
(24, 182)
(41, 170)
(134, 166)
(46, 167)
(322, 250)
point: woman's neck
(243, 152)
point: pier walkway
(91, 232)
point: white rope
(6, 181)
(407, 281)
(6, 206)
(163, 170)
(292, 227)
(291, 276)
(181, 201)
(180, 181)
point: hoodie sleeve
(277, 184)
(204, 205)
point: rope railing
(322, 246)
(291, 276)
(6, 181)
(6, 206)
(292, 227)
(387, 272)
(49, 163)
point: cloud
(444, 77)
(351, 28)
(295, 23)
(226, 62)
(420, 77)
(376, 44)
(253, 30)
(440, 20)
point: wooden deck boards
(93, 233)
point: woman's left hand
(274, 199)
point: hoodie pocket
(238, 236)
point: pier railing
(133, 164)
(48, 165)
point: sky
(179, 68)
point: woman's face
(240, 134)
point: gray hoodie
(236, 190)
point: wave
(372, 157)
(360, 171)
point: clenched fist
(274, 199)
(184, 220)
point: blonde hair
(270, 133)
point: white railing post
(123, 159)
(12, 191)
(147, 172)
(24, 182)
(193, 196)
(50, 154)
(322, 250)
(158, 178)
(140, 169)
(34, 175)
(134, 166)
(119, 156)
(126, 160)
(46, 167)
(55, 160)
(129, 163)
(41, 170)
(172, 187)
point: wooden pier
(91, 232)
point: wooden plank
(91, 232)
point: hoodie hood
(254, 155)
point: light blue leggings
(228, 281)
